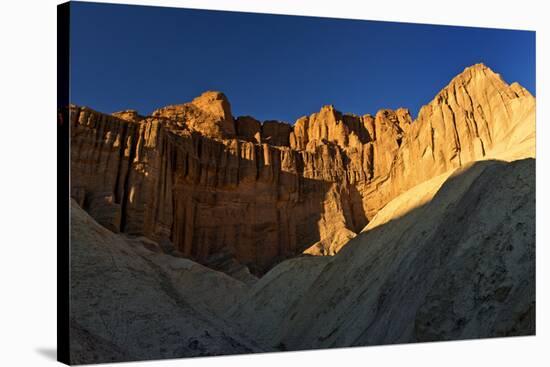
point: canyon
(197, 233)
(240, 195)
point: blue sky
(272, 66)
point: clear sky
(272, 66)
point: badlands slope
(430, 225)
(454, 260)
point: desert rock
(197, 233)
(264, 192)
(129, 303)
(443, 261)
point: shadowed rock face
(453, 258)
(431, 223)
(194, 175)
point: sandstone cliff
(208, 183)
(431, 223)
(451, 259)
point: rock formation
(453, 258)
(209, 183)
(431, 224)
(130, 303)
(445, 261)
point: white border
(28, 181)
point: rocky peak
(217, 105)
(208, 114)
(472, 72)
(475, 77)
(128, 115)
(268, 191)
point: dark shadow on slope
(408, 287)
(359, 217)
(471, 276)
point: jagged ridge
(208, 182)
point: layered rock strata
(209, 183)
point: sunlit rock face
(209, 183)
(336, 231)
(453, 258)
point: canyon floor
(194, 233)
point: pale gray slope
(452, 258)
(457, 263)
(263, 308)
(129, 303)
